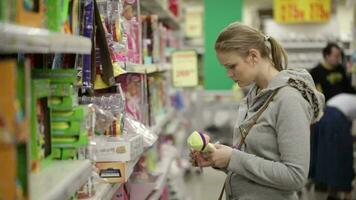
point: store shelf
(162, 122)
(23, 39)
(199, 49)
(155, 7)
(147, 68)
(163, 168)
(105, 191)
(303, 45)
(60, 180)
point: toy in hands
(200, 142)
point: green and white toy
(200, 142)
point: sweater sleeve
(293, 139)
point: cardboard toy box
(30, 15)
(118, 149)
(67, 128)
(8, 171)
(111, 172)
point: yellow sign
(194, 22)
(185, 68)
(299, 11)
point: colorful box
(70, 141)
(67, 76)
(67, 128)
(64, 153)
(118, 149)
(61, 89)
(30, 13)
(8, 171)
(111, 172)
(66, 103)
(8, 108)
(77, 114)
(41, 144)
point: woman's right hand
(199, 159)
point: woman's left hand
(221, 156)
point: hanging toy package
(133, 126)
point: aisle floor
(207, 186)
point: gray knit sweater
(273, 164)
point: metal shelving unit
(164, 120)
(23, 39)
(147, 68)
(163, 167)
(155, 7)
(60, 180)
(105, 191)
(314, 45)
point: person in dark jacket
(330, 75)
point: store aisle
(205, 186)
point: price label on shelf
(300, 11)
(185, 68)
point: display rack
(163, 168)
(156, 8)
(23, 39)
(162, 122)
(315, 45)
(105, 191)
(60, 180)
(148, 68)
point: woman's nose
(230, 73)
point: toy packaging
(111, 172)
(125, 148)
(134, 87)
(150, 39)
(8, 176)
(40, 122)
(157, 97)
(30, 13)
(132, 29)
(8, 100)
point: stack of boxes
(68, 119)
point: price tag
(185, 68)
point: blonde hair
(241, 39)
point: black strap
(222, 192)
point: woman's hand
(199, 159)
(221, 156)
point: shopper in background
(331, 167)
(272, 162)
(330, 75)
(328, 141)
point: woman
(273, 160)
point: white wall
(250, 14)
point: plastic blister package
(133, 126)
(113, 103)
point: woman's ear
(253, 56)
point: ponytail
(279, 55)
